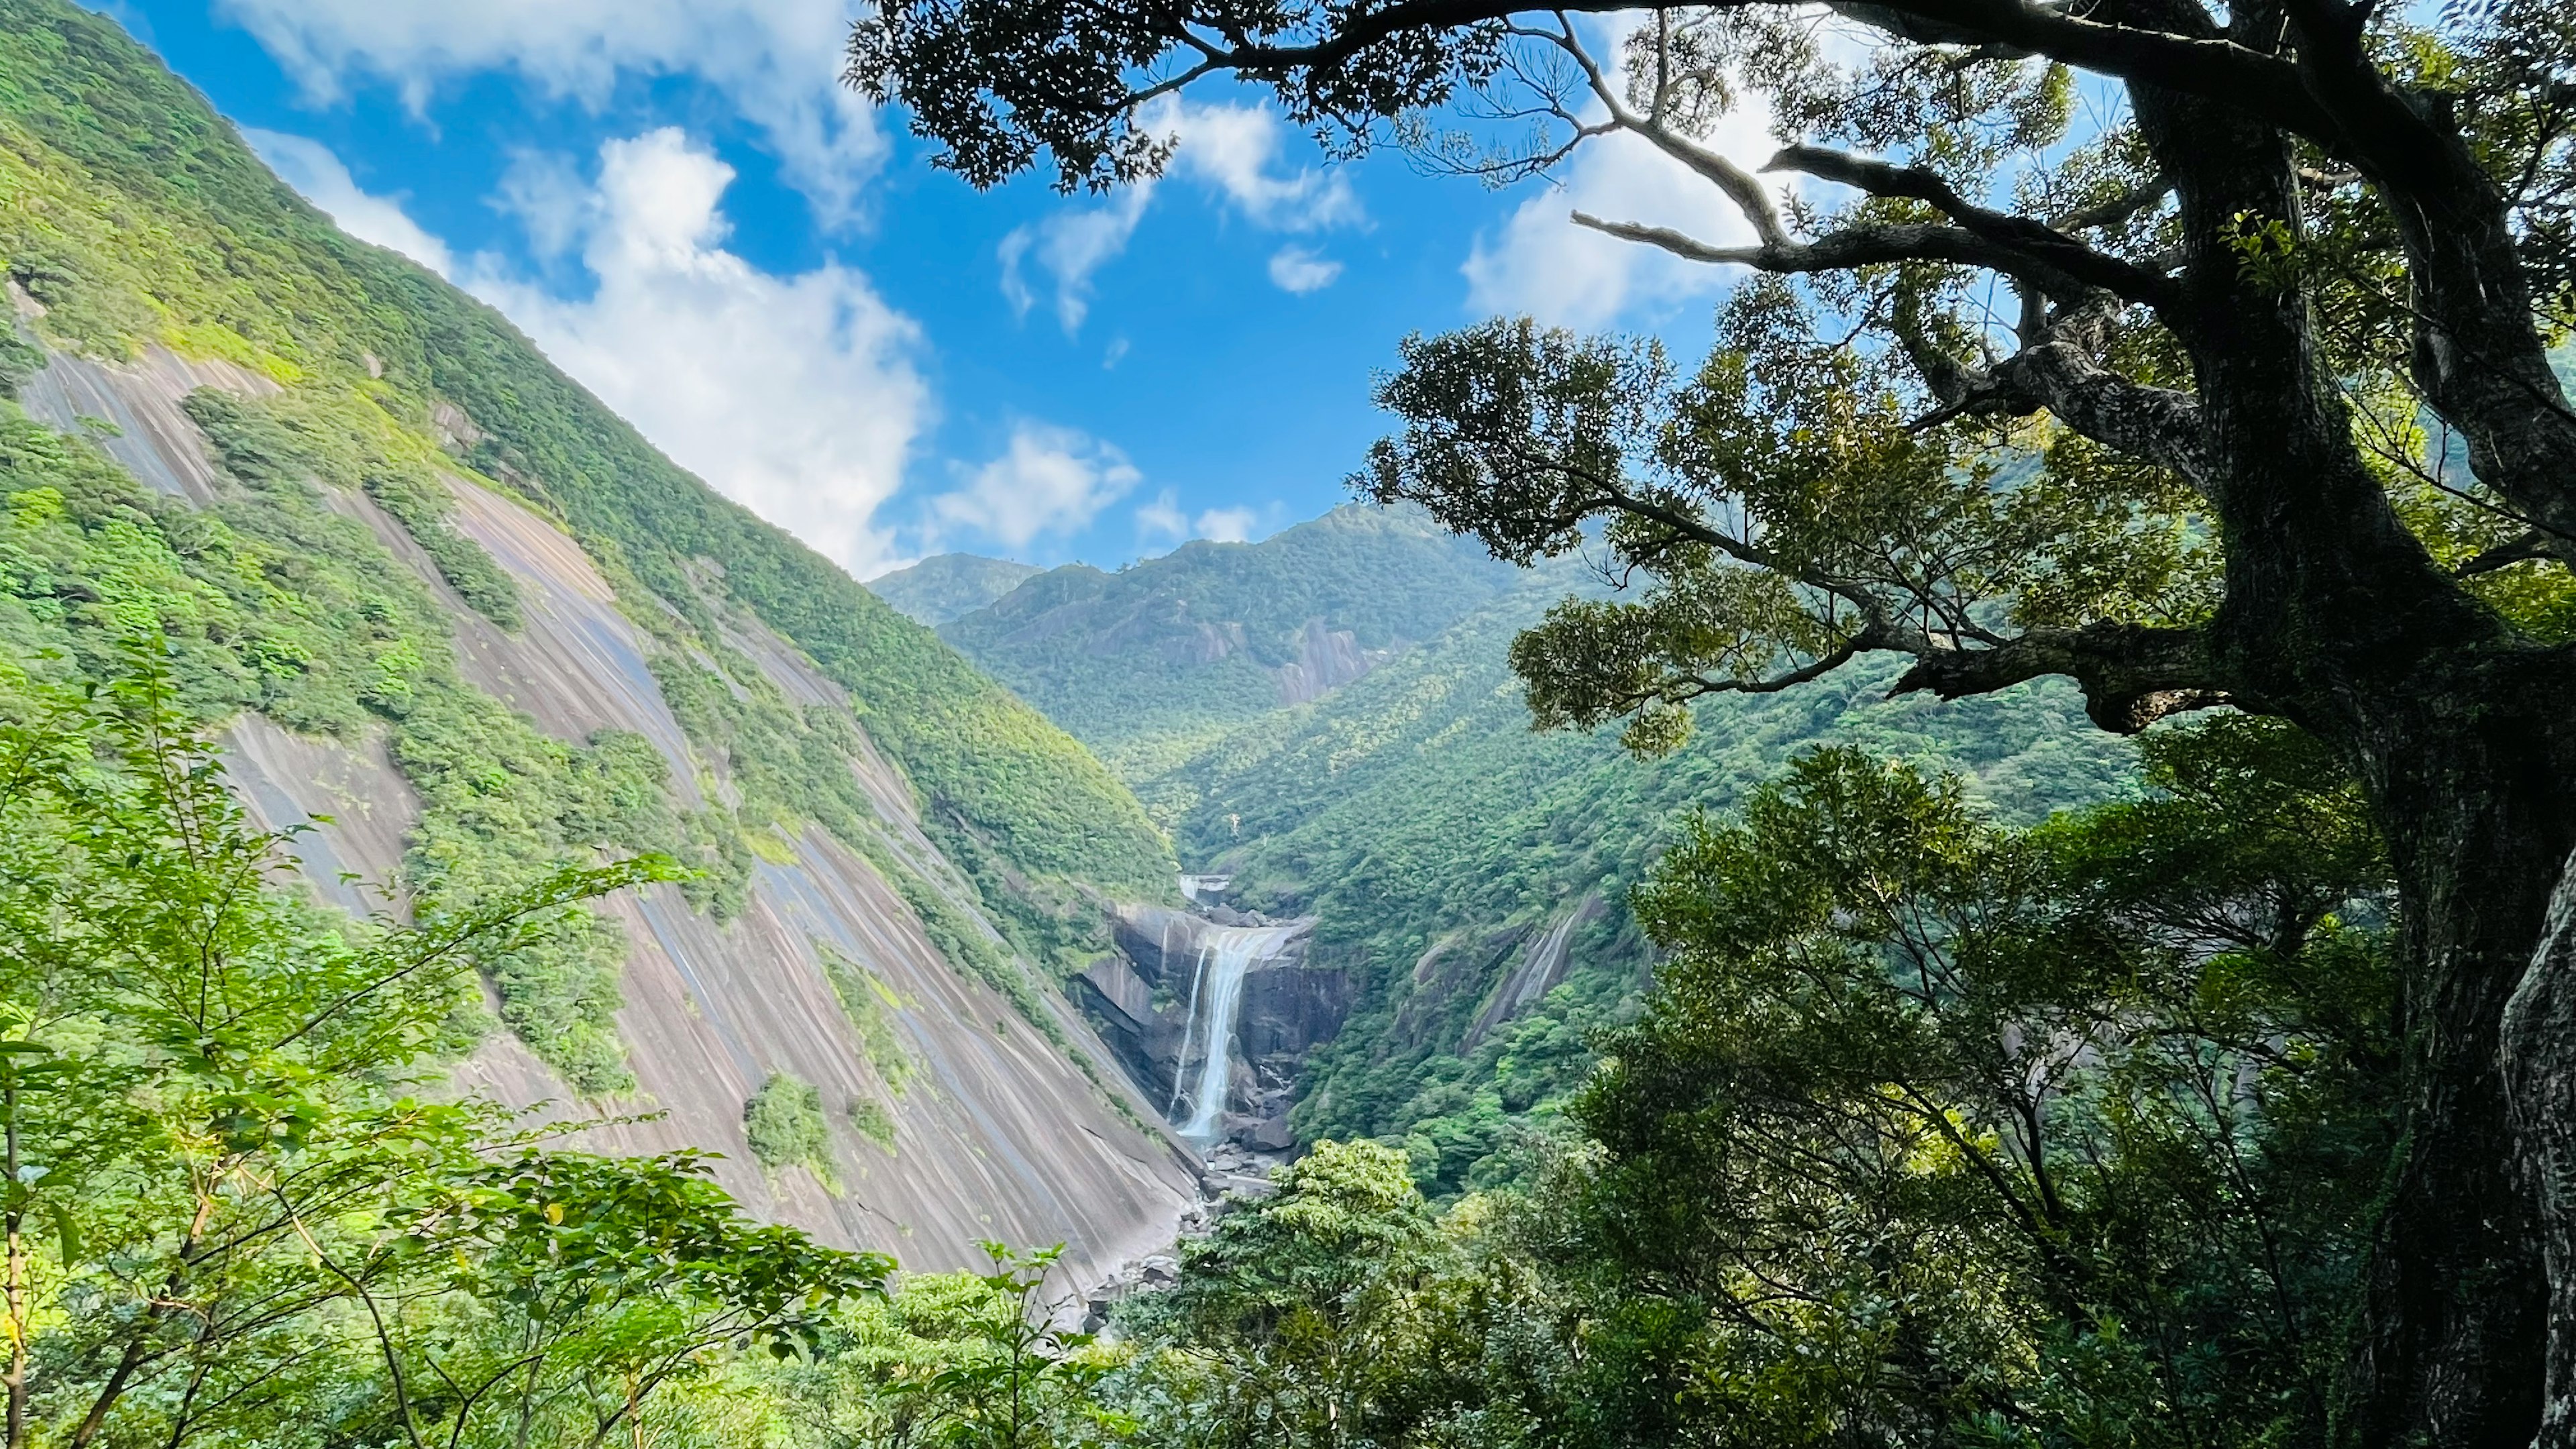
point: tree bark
(2451, 1348)
(2461, 735)
(2540, 1073)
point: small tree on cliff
(2223, 320)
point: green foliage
(299, 438)
(209, 1094)
(873, 1122)
(20, 360)
(1415, 812)
(1934, 1131)
(582, 1286)
(271, 601)
(784, 1123)
(971, 1360)
(1343, 1311)
(870, 1005)
(949, 586)
(137, 217)
(2079, 1124)
(1151, 664)
(1531, 438)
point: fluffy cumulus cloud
(797, 396)
(321, 178)
(1295, 269)
(1048, 480)
(776, 60)
(1070, 247)
(1232, 152)
(1540, 263)
(1163, 522)
(1227, 525)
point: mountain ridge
(1148, 664)
(949, 585)
(458, 625)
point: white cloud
(1163, 518)
(1048, 480)
(1542, 264)
(1232, 148)
(1227, 525)
(777, 60)
(544, 190)
(1070, 246)
(1295, 269)
(796, 396)
(1232, 151)
(1163, 521)
(318, 175)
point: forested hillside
(456, 628)
(134, 216)
(1151, 664)
(945, 586)
(1440, 838)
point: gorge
(454, 621)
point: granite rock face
(1140, 1000)
(1003, 1135)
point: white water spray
(1226, 954)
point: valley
(1458, 880)
(1987, 863)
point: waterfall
(1225, 954)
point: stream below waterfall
(1225, 955)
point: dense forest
(241, 1213)
(2150, 1026)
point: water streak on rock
(1226, 954)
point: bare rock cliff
(995, 1133)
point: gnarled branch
(2131, 675)
(2045, 246)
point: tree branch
(2131, 675)
(2058, 372)
(1859, 246)
(2036, 240)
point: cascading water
(1226, 954)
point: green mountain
(138, 217)
(458, 625)
(945, 586)
(1469, 874)
(1152, 664)
(1474, 872)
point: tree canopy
(2199, 354)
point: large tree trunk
(2465, 739)
(2539, 1054)
(2457, 1313)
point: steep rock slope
(440, 596)
(136, 215)
(949, 585)
(1152, 663)
(1471, 874)
(1465, 876)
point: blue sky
(676, 201)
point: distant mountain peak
(950, 585)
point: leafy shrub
(874, 1122)
(785, 1126)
